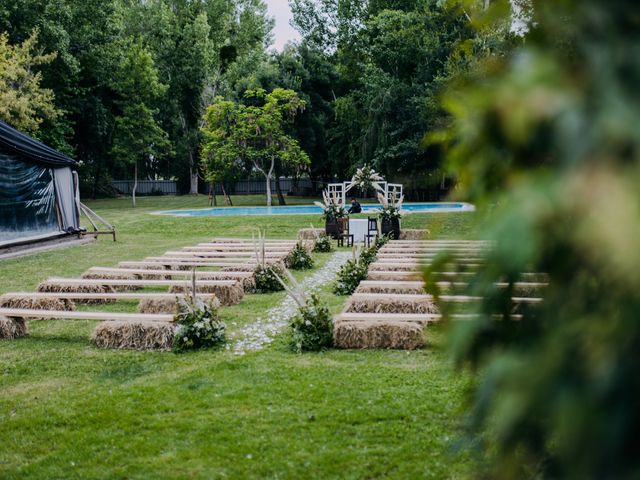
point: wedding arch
(366, 177)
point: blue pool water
(441, 207)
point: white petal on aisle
(262, 332)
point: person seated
(355, 206)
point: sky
(282, 31)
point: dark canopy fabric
(29, 149)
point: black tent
(38, 189)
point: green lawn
(69, 410)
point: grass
(69, 410)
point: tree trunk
(135, 183)
(227, 198)
(193, 176)
(269, 176)
(281, 200)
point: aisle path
(262, 332)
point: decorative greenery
(322, 244)
(332, 206)
(352, 273)
(267, 279)
(199, 325)
(391, 208)
(311, 327)
(299, 258)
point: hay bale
(393, 267)
(166, 305)
(113, 276)
(226, 294)
(414, 234)
(248, 283)
(393, 276)
(52, 303)
(310, 233)
(390, 305)
(382, 334)
(11, 328)
(240, 268)
(389, 289)
(134, 335)
(50, 287)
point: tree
(254, 134)
(24, 103)
(138, 137)
(546, 133)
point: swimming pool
(434, 207)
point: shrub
(312, 327)
(350, 276)
(299, 258)
(199, 326)
(322, 244)
(267, 280)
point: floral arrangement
(312, 326)
(266, 275)
(351, 274)
(366, 177)
(332, 206)
(199, 325)
(390, 208)
(299, 258)
(322, 243)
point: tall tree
(255, 133)
(24, 103)
(138, 138)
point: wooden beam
(102, 316)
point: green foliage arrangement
(350, 276)
(547, 130)
(390, 209)
(311, 327)
(299, 258)
(322, 244)
(267, 279)
(199, 326)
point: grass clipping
(134, 335)
(376, 334)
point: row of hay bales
(233, 259)
(390, 309)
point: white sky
(282, 31)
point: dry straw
(227, 294)
(393, 267)
(134, 335)
(107, 276)
(51, 287)
(390, 305)
(52, 303)
(390, 289)
(393, 275)
(166, 305)
(377, 334)
(11, 328)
